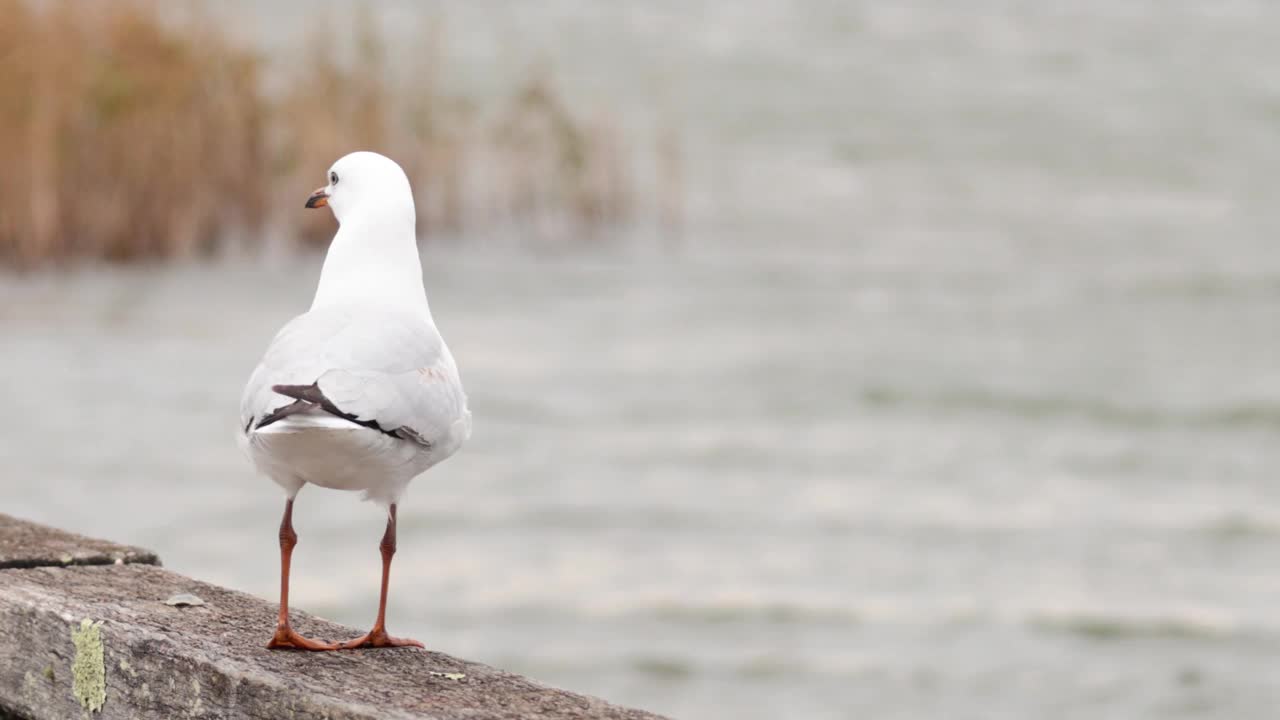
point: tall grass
(128, 134)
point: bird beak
(319, 198)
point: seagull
(360, 392)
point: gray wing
(391, 371)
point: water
(958, 398)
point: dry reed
(127, 135)
(122, 138)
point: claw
(377, 638)
(286, 639)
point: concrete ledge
(100, 641)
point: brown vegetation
(128, 135)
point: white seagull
(359, 392)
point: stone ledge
(209, 661)
(25, 544)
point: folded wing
(387, 371)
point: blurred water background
(956, 393)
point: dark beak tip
(318, 198)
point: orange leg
(378, 637)
(285, 636)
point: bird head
(363, 181)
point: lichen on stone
(195, 688)
(89, 669)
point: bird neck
(373, 260)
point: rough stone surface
(210, 661)
(28, 545)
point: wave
(1216, 286)
(1242, 527)
(1104, 627)
(1255, 416)
(666, 667)
(673, 668)
(766, 614)
(1097, 625)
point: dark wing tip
(281, 413)
(311, 395)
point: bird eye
(333, 178)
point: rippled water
(958, 399)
